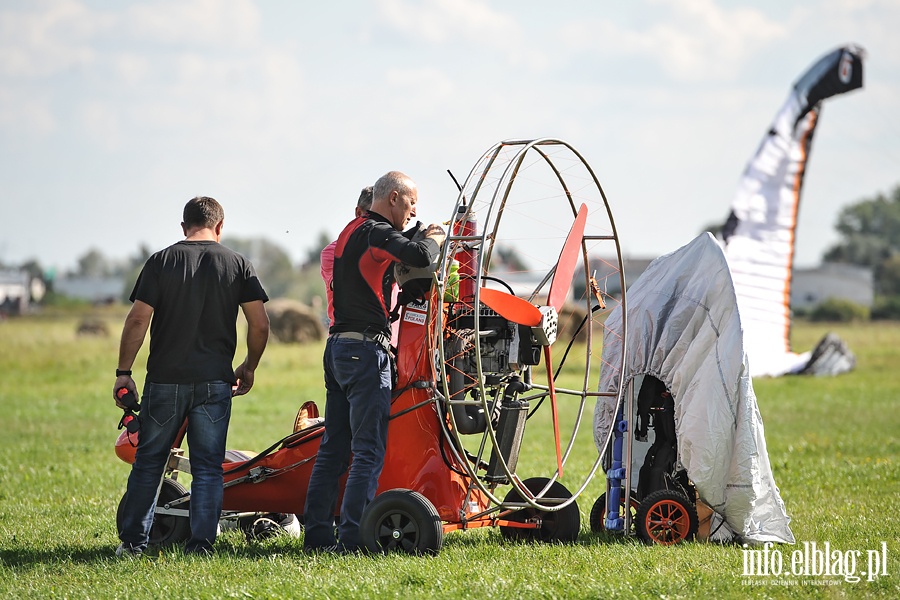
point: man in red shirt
(326, 259)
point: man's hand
(244, 378)
(124, 381)
(436, 232)
(133, 333)
(257, 336)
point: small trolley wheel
(166, 529)
(598, 513)
(260, 526)
(556, 526)
(666, 517)
(401, 521)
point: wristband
(121, 372)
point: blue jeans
(357, 409)
(164, 407)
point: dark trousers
(164, 407)
(357, 408)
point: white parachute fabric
(684, 329)
(831, 356)
(759, 234)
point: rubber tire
(401, 520)
(556, 526)
(598, 513)
(666, 517)
(166, 529)
(260, 526)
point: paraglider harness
(415, 283)
(660, 469)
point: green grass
(833, 443)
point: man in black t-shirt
(192, 290)
(357, 360)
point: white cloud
(26, 111)
(443, 21)
(691, 40)
(130, 69)
(421, 86)
(197, 22)
(872, 23)
(254, 97)
(145, 71)
(102, 123)
(210, 69)
(286, 102)
(51, 39)
(462, 22)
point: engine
(506, 351)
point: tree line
(869, 236)
(869, 233)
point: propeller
(559, 290)
(512, 308)
(568, 259)
(517, 310)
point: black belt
(379, 338)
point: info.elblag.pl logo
(813, 564)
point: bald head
(394, 197)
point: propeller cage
(552, 208)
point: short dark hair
(365, 198)
(202, 211)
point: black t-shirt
(363, 255)
(195, 289)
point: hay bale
(293, 322)
(94, 327)
(570, 317)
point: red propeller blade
(552, 387)
(512, 308)
(568, 258)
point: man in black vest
(357, 360)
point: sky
(113, 114)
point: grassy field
(834, 445)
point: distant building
(811, 287)
(606, 272)
(14, 292)
(98, 290)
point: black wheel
(401, 521)
(166, 529)
(598, 513)
(556, 526)
(666, 517)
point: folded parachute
(759, 233)
(684, 329)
